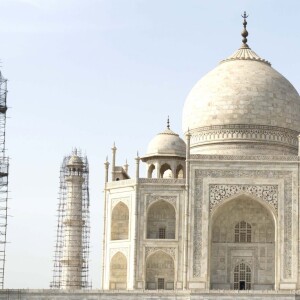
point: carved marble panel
(220, 192)
(243, 132)
(115, 201)
(152, 198)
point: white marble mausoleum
(217, 216)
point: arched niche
(166, 171)
(160, 271)
(161, 221)
(118, 272)
(119, 222)
(242, 231)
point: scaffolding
(3, 177)
(63, 235)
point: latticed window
(242, 277)
(242, 232)
(162, 233)
(160, 283)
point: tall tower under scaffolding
(72, 244)
(3, 177)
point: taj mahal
(217, 216)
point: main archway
(242, 254)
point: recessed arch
(161, 220)
(160, 271)
(118, 272)
(120, 222)
(243, 230)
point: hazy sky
(88, 73)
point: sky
(90, 73)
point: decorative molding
(162, 181)
(153, 198)
(245, 157)
(220, 192)
(244, 132)
(120, 183)
(169, 250)
(287, 178)
(123, 250)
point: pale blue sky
(87, 73)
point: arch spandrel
(216, 202)
(152, 199)
(116, 201)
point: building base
(11, 294)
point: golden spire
(245, 32)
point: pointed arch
(120, 222)
(166, 171)
(118, 272)
(161, 220)
(160, 271)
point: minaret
(113, 165)
(71, 255)
(72, 261)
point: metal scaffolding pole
(3, 178)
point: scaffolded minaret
(3, 178)
(71, 253)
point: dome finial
(245, 32)
(245, 52)
(168, 123)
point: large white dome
(243, 106)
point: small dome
(75, 160)
(166, 143)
